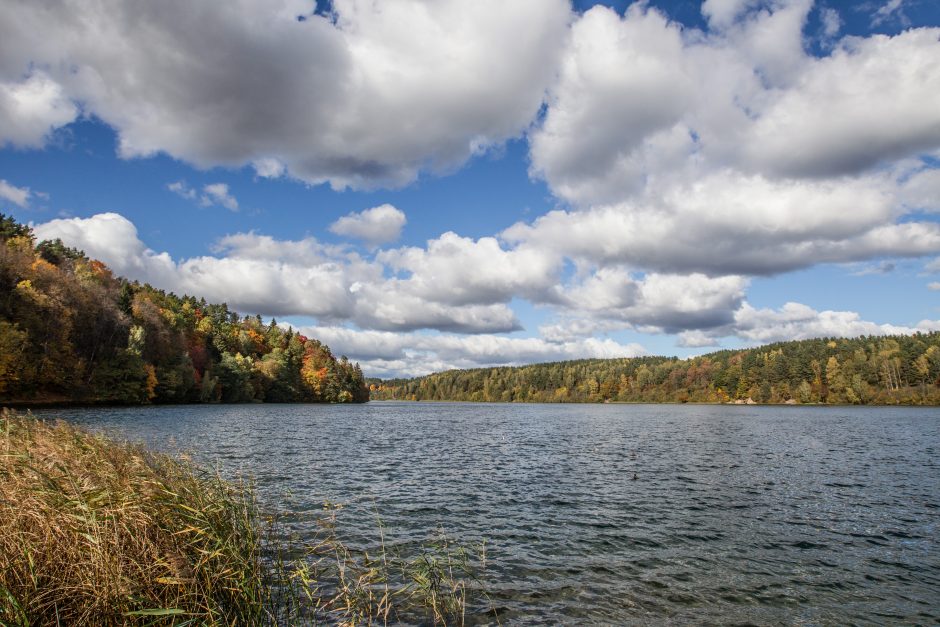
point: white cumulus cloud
(734, 151)
(378, 225)
(369, 95)
(31, 108)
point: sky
(450, 184)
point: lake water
(762, 515)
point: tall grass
(98, 532)
(323, 580)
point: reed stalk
(99, 532)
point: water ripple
(611, 514)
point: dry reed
(99, 532)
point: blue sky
(453, 184)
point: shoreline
(99, 530)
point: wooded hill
(70, 331)
(866, 370)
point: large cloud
(637, 98)
(458, 270)
(368, 95)
(621, 82)
(658, 302)
(872, 100)
(731, 223)
(733, 151)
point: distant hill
(70, 331)
(865, 370)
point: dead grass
(98, 532)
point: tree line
(71, 331)
(873, 370)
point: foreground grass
(95, 532)
(98, 532)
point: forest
(865, 370)
(71, 331)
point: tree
(835, 380)
(13, 348)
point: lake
(766, 515)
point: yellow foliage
(21, 243)
(41, 265)
(151, 382)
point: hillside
(864, 370)
(70, 331)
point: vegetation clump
(97, 532)
(72, 331)
(323, 580)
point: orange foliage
(151, 382)
(100, 270)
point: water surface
(765, 515)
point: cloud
(728, 223)
(934, 286)
(386, 354)
(885, 267)
(218, 194)
(886, 11)
(865, 104)
(375, 226)
(269, 168)
(733, 151)
(722, 13)
(183, 190)
(19, 196)
(831, 22)
(32, 107)
(620, 83)
(921, 191)
(727, 151)
(213, 194)
(458, 270)
(368, 95)
(748, 98)
(696, 339)
(795, 321)
(658, 303)
(932, 266)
